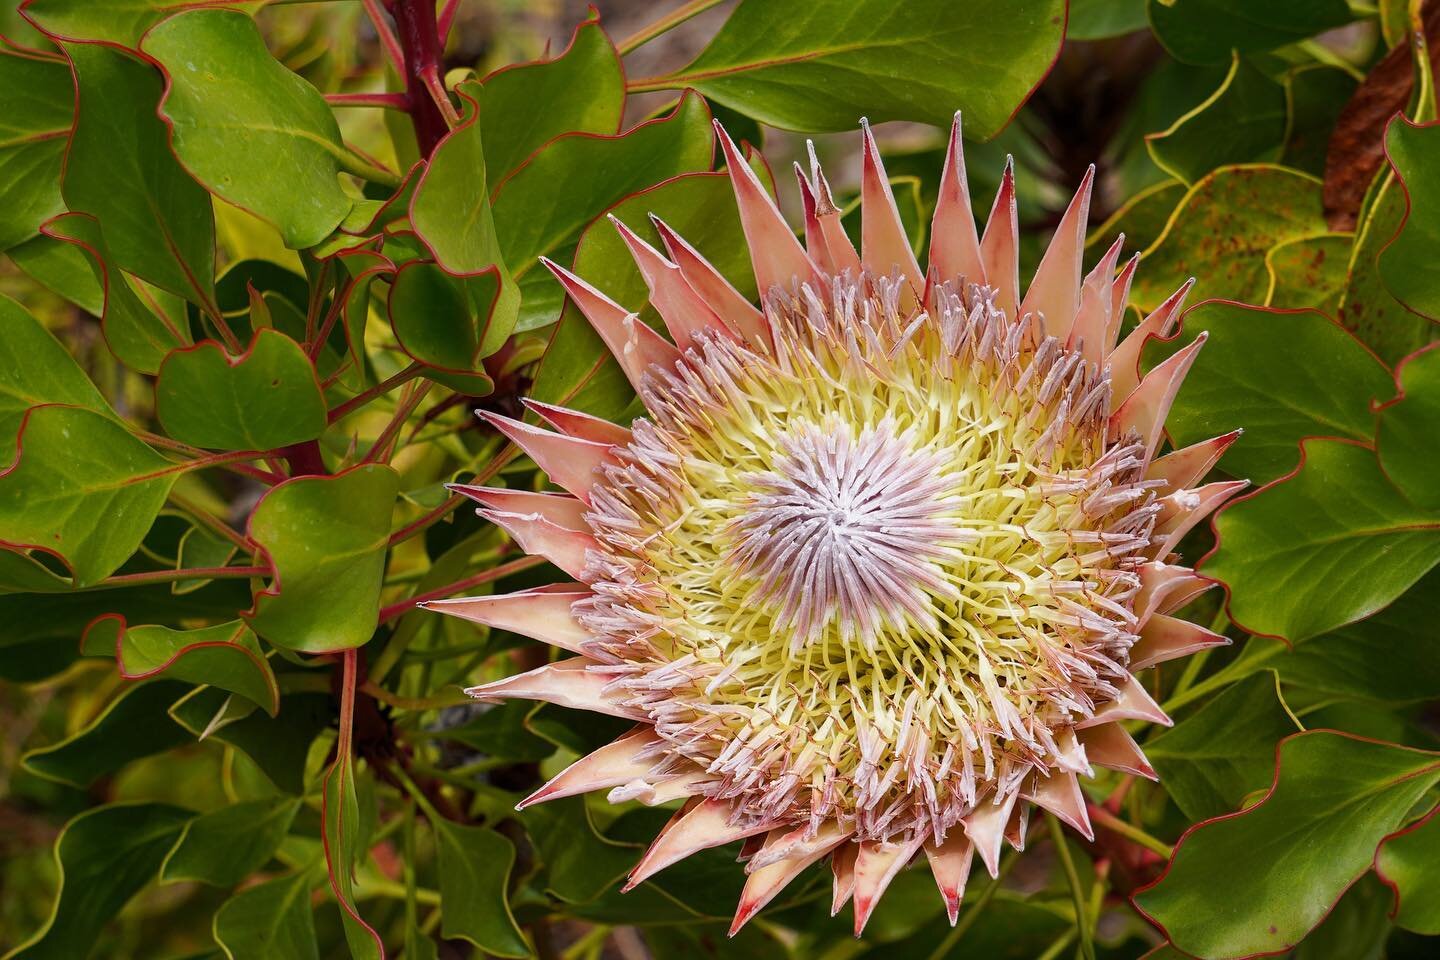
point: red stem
(305, 459)
(388, 42)
(380, 389)
(419, 35)
(494, 573)
(447, 19)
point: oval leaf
(326, 538)
(807, 65)
(1258, 881)
(238, 116)
(83, 489)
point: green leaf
(132, 726)
(1324, 547)
(577, 370)
(121, 21)
(1407, 264)
(1222, 230)
(62, 269)
(105, 856)
(34, 128)
(238, 116)
(1243, 120)
(271, 920)
(267, 397)
(1368, 306)
(1309, 272)
(83, 489)
(1205, 31)
(525, 105)
(1215, 757)
(1258, 881)
(200, 548)
(1408, 428)
(580, 864)
(1386, 657)
(1099, 19)
(535, 219)
(474, 868)
(450, 323)
(326, 538)
(225, 655)
(1315, 93)
(279, 745)
(345, 847)
(500, 731)
(1409, 862)
(36, 369)
(820, 66)
(1279, 376)
(1356, 929)
(1142, 219)
(450, 208)
(138, 334)
(157, 222)
(225, 846)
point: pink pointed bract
(875, 569)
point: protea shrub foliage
(887, 532)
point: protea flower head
(877, 570)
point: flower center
(846, 530)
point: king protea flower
(878, 569)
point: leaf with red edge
(1409, 426)
(533, 218)
(525, 105)
(1388, 656)
(266, 398)
(119, 22)
(1323, 546)
(1280, 376)
(1408, 265)
(36, 369)
(254, 133)
(453, 313)
(158, 224)
(225, 655)
(39, 97)
(450, 207)
(452, 323)
(577, 370)
(1257, 881)
(326, 539)
(1215, 757)
(1409, 863)
(138, 333)
(820, 65)
(82, 488)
